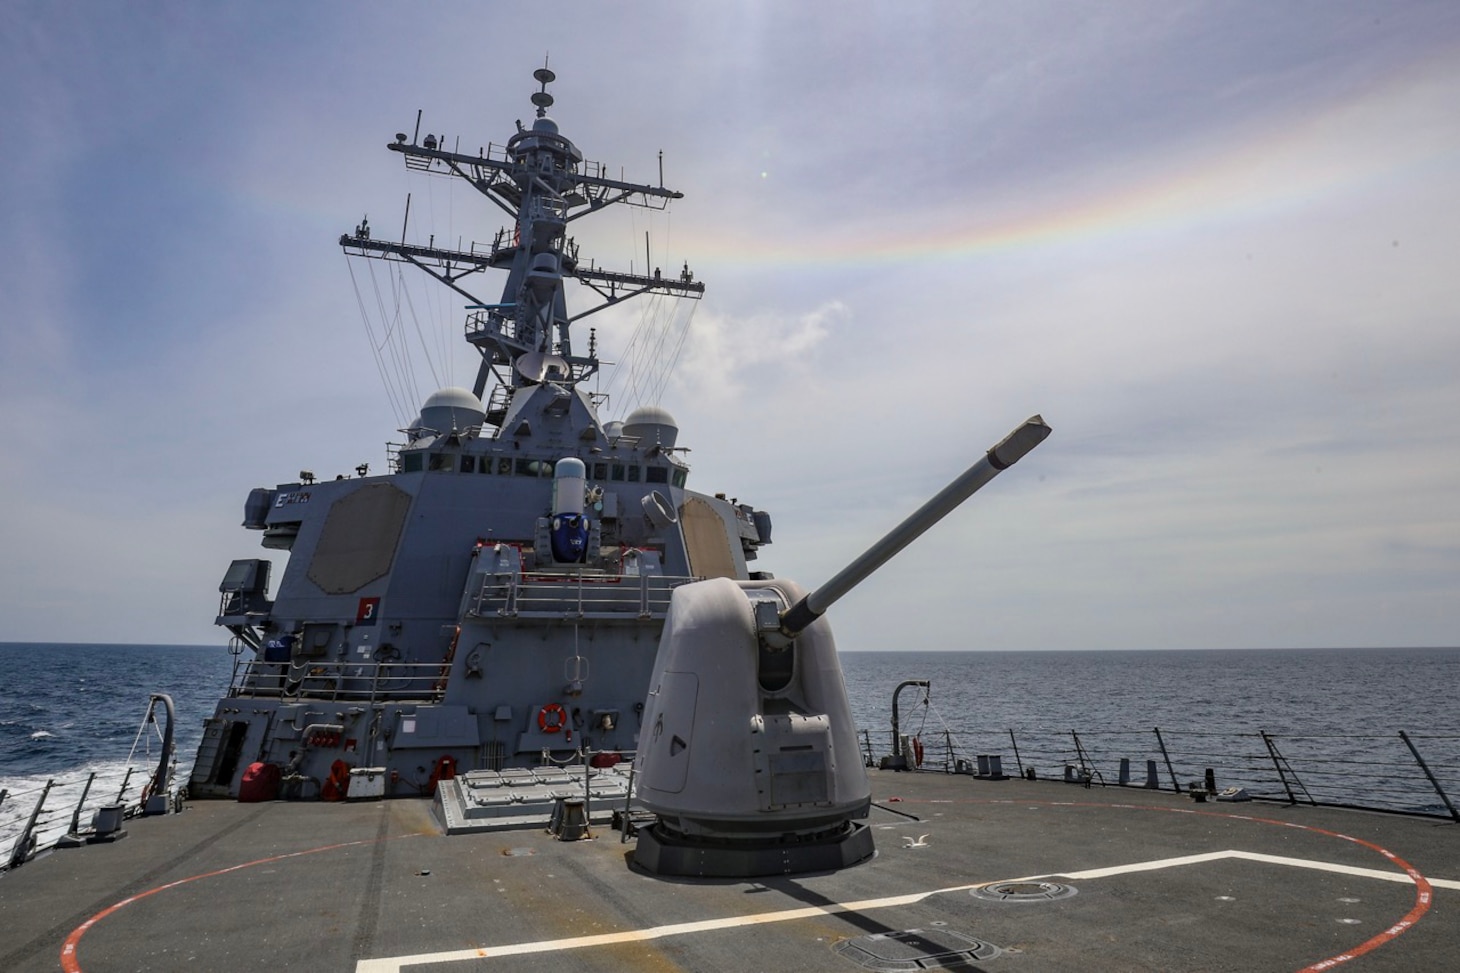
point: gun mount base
(663, 852)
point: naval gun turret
(748, 756)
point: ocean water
(67, 707)
(1325, 691)
(69, 710)
(1333, 715)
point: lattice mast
(539, 178)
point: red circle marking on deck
(68, 951)
(1423, 896)
(1423, 891)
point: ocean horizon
(68, 708)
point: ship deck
(970, 875)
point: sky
(1215, 245)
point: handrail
(53, 810)
(339, 680)
(577, 595)
(1381, 771)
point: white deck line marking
(1150, 866)
(1317, 866)
(394, 964)
(1383, 876)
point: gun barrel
(1005, 454)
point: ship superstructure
(496, 598)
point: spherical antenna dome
(652, 425)
(451, 409)
(545, 124)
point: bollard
(108, 819)
(1124, 771)
(1153, 782)
(569, 820)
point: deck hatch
(916, 949)
(1023, 891)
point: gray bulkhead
(401, 640)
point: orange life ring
(552, 718)
(917, 751)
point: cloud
(1213, 246)
(732, 361)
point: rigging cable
(668, 370)
(438, 300)
(645, 367)
(374, 347)
(399, 348)
(416, 320)
(681, 313)
(953, 744)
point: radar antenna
(541, 98)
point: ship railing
(546, 207)
(1402, 772)
(343, 681)
(579, 595)
(493, 323)
(60, 810)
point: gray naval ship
(521, 702)
(481, 623)
(495, 600)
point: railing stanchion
(1080, 756)
(623, 834)
(21, 849)
(126, 779)
(1175, 784)
(1015, 744)
(1277, 763)
(1433, 782)
(76, 815)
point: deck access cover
(1022, 891)
(916, 949)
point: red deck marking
(68, 951)
(1423, 891)
(1424, 895)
